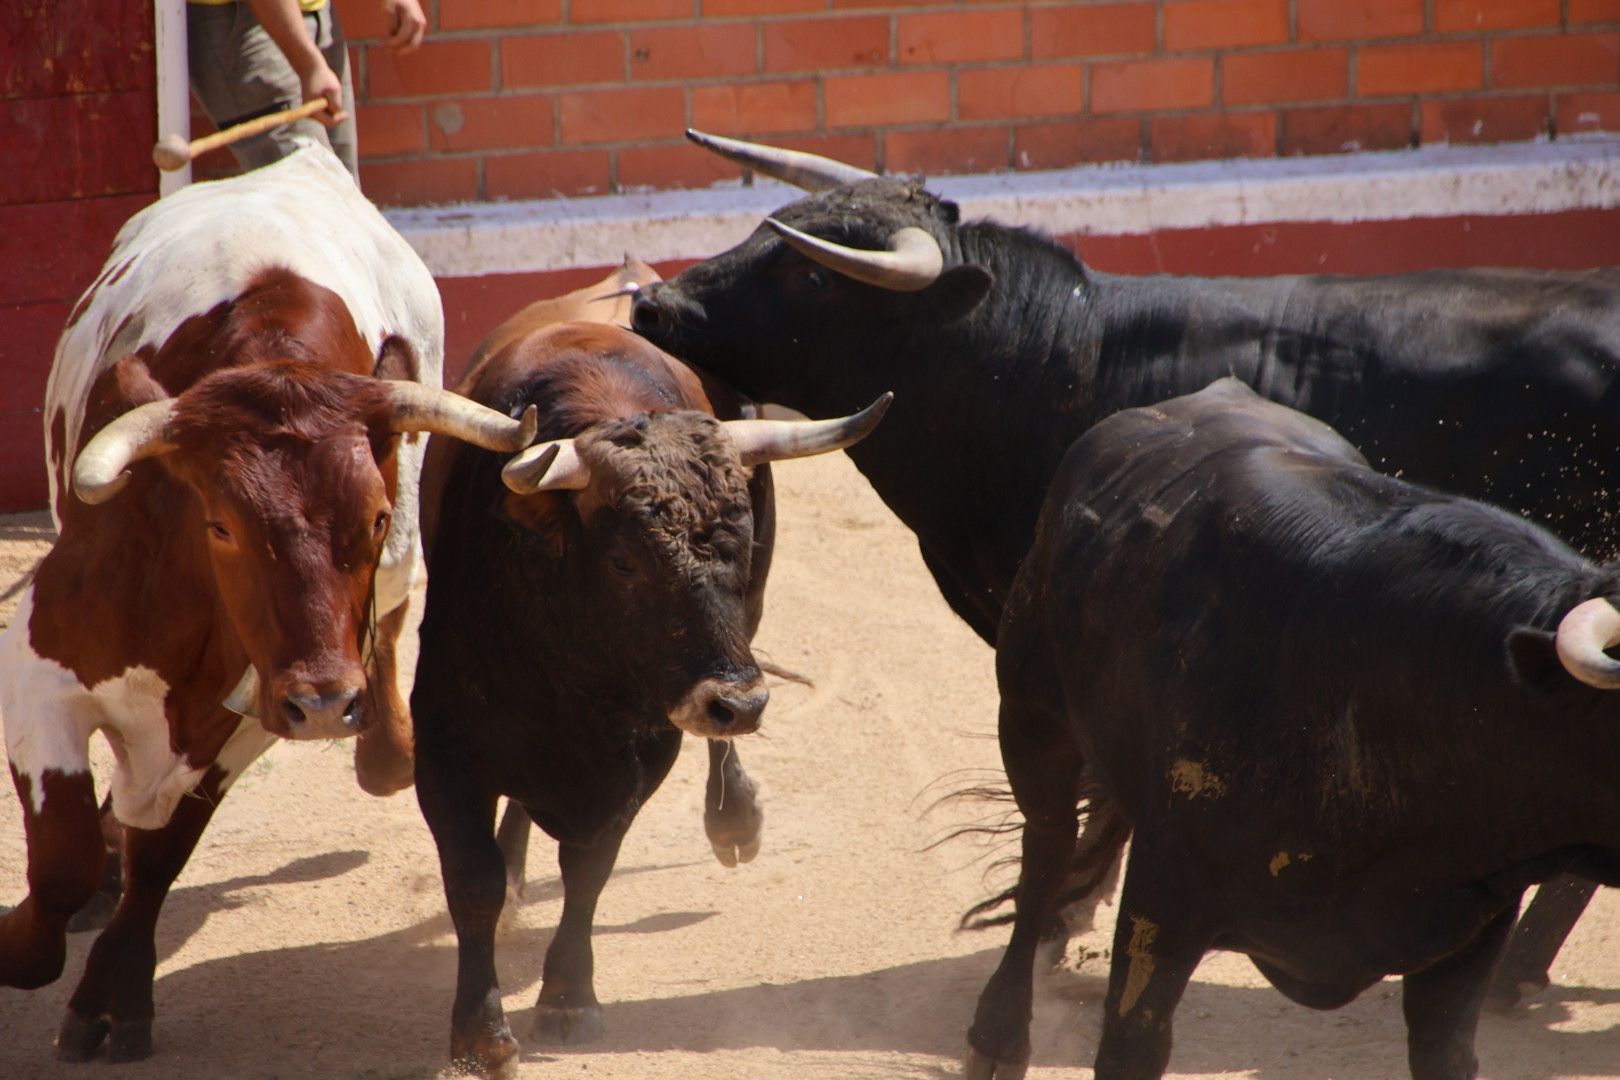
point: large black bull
(1003, 348)
(1349, 719)
(587, 603)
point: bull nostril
(325, 715)
(645, 316)
(738, 709)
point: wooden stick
(173, 152)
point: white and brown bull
(229, 426)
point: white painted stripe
(1101, 200)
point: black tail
(1104, 831)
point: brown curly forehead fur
(680, 474)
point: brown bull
(237, 482)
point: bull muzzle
(660, 310)
(722, 708)
(301, 710)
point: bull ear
(135, 382)
(542, 516)
(1533, 661)
(957, 292)
(396, 360)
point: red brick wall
(78, 116)
(530, 98)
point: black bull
(1350, 720)
(588, 602)
(1494, 384)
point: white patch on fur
(49, 717)
(46, 713)
(198, 248)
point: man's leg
(328, 34)
(238, 73)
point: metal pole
(173, 84)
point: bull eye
(621, 566)
(817, 277)
(218, 531)
(379, 526)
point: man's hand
(319, 80)
(284, 22)
(408, 23)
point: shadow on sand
(379, 1008)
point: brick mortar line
(1013, 126)
(1007, 123)
(1218, 109)
(557, 29)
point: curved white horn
(427, 408)
(912, 262)
(547, 466)
(811, 172)
(1584, 633)
(759, 441)
(100, 470)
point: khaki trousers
(238, 73)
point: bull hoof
(555, 1025)
(80, 1037)
(1508, 994)
(732, 854)
(494, 1056)
(130, 1040)
(95, 915)
(984, 1067)
(734, 835)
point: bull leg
(1157, 946)
(384, 754)
(65, 854)
(96, 914)
(1442, 1004)
(567, 1012)
(1093, 877)
(985, 625)
(731, 812)
(113, 1002)
(1527, 966)
(1045, 768)
(460, 813)
(513, 838)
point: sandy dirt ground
(308, 937)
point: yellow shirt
(305, 6)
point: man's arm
(284, 22)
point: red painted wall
(1572, 241)
(77, 122)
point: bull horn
(1584, 633)
(547, 466)
(101, 469)
(912, 262)
(427, 408)
(812, 172)
(759, 441)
